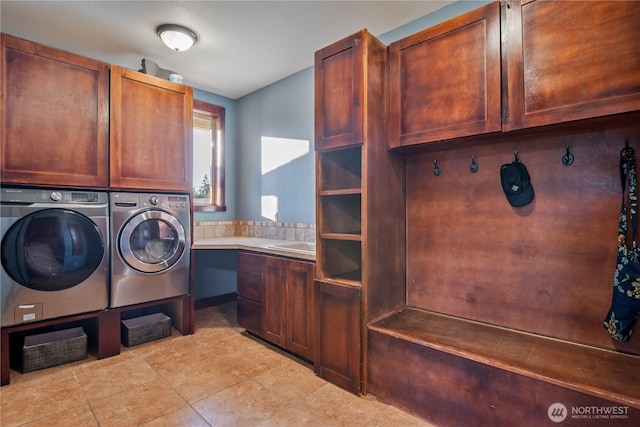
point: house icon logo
(557, 412)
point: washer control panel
(124, 201)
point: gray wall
(215, 273)
(281, 110)
(285, 109)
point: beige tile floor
(219, 376)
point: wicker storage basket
(53, 348)
(145, 328)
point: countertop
(255, 244)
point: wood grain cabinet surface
(344, 73)
(338, 335)
(444, 82)
(360, 211)
(514, 65)
(287, 305)
(570, 60)
(55, 117)
(151, 132)
(275, 300)
(274, 294)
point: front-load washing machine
(150, 250)
(55, 253)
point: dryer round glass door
(52, 249)
(152, 241)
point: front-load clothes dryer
(55, 253)
(150, 250)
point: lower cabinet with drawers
(275, 300)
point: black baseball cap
(516, 183)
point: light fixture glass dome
(177, 37)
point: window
(208, 157)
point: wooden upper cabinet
(344, 72)
(444, 82)
(151, 132)
(55, 117)
(570, 60)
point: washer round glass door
(52, 249)
(152, 241)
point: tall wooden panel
(545, 268)
(360, 200)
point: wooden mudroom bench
(453, 371)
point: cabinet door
(338, 104)
(299, 310)
(570, 60)
(344, 73)
(151, 132)
(444, 82)
(273, 300)
(337, 334)
(249, 315)
(55, 117)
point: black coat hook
(516, 154)
(567, 158)
(473, 167)
(436, 168)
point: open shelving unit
(360, 207)
(340, 215)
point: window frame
(216, 114)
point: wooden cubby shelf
(341, 214)
(349, 278)
(354, 236)
(340, 170)
(341, 192)
(342, 255)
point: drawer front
(250, 315)
(250, 262)
(250, 285)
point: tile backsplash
(294, 231)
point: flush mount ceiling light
(177, 37)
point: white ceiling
(243, 45)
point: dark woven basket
(53, 348)
(145, 328)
